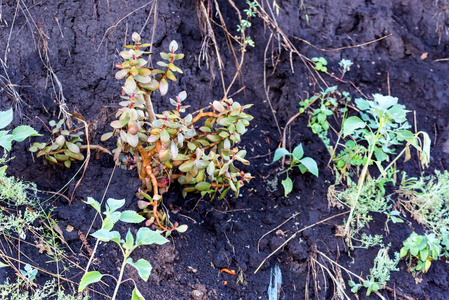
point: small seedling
(345, 65)
(144, 236)
(29, 274)
(320, 64)
(297, 159)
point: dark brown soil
(83, 39)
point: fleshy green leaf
(106, 136)
(89, 278)
(163, 87)
(203, 186)
(143, 267)
(72, 147)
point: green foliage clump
(370, 199)
(427, 199)
(422, 250)
(16, 291)
(379, 273)
(15, 193)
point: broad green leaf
(95, 204)
(20, 133)
(351, 124)
(280, 152)
(423, 254)
(311, 165)
(385, 102)
(3, 265)
(298, 152)
(130, 216)
(137, 295)
(5, 118)
(143, 267)
(288, 186)
(114, 204)
(5, 141)
(106, 235)
(403, 252)
(146, 236)
(89, 278)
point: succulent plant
(196, 150)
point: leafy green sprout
(19, 134)
(297, 159)
(345, 65)
(320, 64)
(29, 273)
(422, 250)
(144, 236)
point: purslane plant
(64, 147)
(168, 146)
(144, 236)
